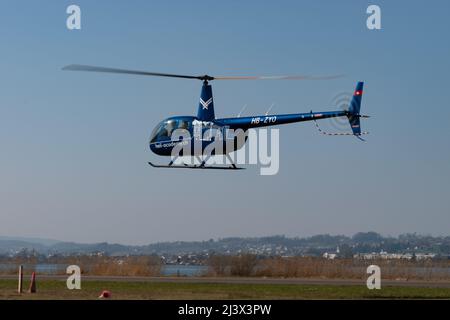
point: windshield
(163, 131)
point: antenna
(243, 108)
(270, 108)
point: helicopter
(205, 129)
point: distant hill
(44, 242)
(363, 242)
(10, 246)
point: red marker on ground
(105, 294)
(33, 283)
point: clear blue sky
(74, 152)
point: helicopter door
(226, 134)
(208, 131)
(197, 130)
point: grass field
(56, 289)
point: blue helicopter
(205, 129)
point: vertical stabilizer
(206, 104)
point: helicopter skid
(194, 167)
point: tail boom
(276, 119)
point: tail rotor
(352, 108)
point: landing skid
(193, 167)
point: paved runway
(242, 280)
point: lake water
(198, 270)
(167, 270)
(183, 270)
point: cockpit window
(160, 133)
(183, 124)
(155, 133)
(169, 127)
(164, 130)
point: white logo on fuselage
(205, 104)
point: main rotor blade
(279, 77)
(79, 67)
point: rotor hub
(206, 78)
